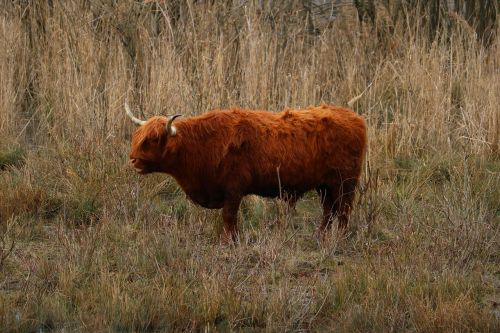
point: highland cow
(221, 156)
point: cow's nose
(132, 161)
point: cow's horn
(170, 128)
(134, 119)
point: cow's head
(149, 143)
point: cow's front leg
(230, 217)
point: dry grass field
(86, 244)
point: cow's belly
(274, 190)
(212, 199)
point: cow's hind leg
(328, 201)
(337, 201)
(230, 217)
(345, 198)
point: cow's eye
(146, 143)
(150, 143)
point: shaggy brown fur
(221, 156)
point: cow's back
(295, 149)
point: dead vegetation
(86, 244)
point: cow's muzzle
(136, 165)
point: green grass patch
(12, 157)
(84, 210)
